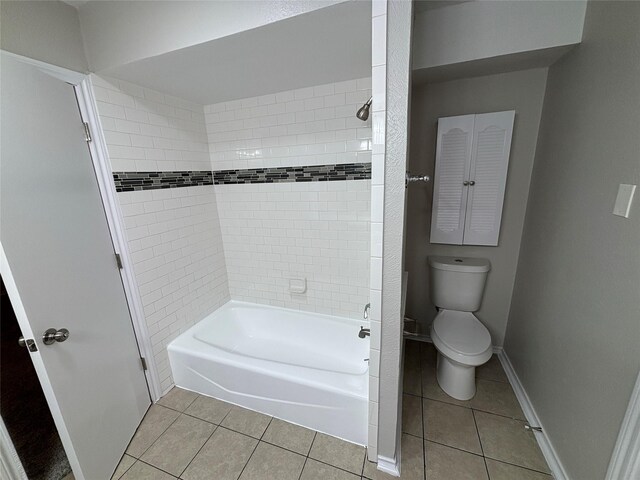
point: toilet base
(457, 380)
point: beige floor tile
(445, 463)
(412, 462)
(178, 399)
(336, 452)
(271, 462)
(155, 422)
(314, 470)
(222, 458)
(125, 463)
(142, 471)
(451, 425)
(70, 476)
(209, 409)
(503, 471)
(412, 415)
(492, 370)
(507, 440)
(289, 436)
(431, 389)
(428, 355)
(176, 447)
(496, 397)
(246, 421)
(412, 382)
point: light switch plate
(623, 200)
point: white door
(63, 272)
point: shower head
(363, 112)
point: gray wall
(574, 326)
(48, 31)
(520, 91)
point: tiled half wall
(235, 199)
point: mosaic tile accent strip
(313, 173)
(132, 181)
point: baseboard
(550, 455)
(388, 465)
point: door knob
(52, 335)
(465, 183)
(472, 183)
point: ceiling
(327, 45)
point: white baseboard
(550, 455)
(388, 465)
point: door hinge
(87, 132)
(119, 261)
(143, 361)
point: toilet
(462, 341)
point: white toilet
(463, 343)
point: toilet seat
(461, 337)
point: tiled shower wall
(318, 231)
(309, 126)
(271, 232)
(174, 234)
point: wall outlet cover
(623, 200)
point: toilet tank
(457, 283)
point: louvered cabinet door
(488, 176)
(453, 161)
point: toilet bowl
(462, 341)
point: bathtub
(305, 368)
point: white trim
(625, 459)
(10, 465)
(102, 166)
(36, 357)
(550, 454)
(388, 465)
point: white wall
(308, 126)
(574, 325)
(313, 230)
(520, 91)
(173, 235)
(469, 31)
(147, 130)
(48, 31)
(116, 33)
(379, 119)
(398, 82)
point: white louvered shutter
(489, 162)
(453, 159)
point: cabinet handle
(465, 183)
(472, 183)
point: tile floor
(192, 437)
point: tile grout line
(254, 448)
(199, 450)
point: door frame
(83, 88)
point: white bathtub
(302, 367)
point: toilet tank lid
(460, 264)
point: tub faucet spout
(364, 332)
